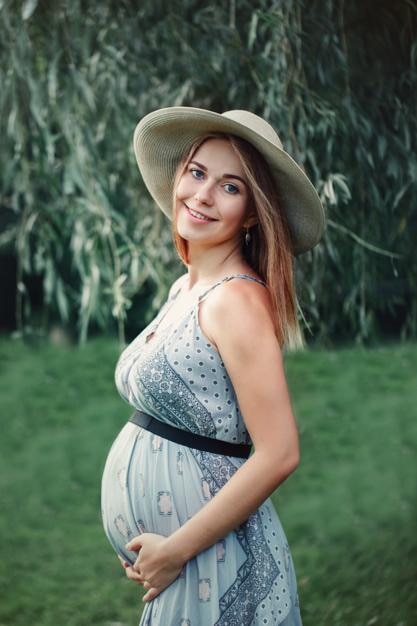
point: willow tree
(337, 80)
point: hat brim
(164, 136)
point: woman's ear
(250, 221)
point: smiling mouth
(199, 215)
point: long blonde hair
(269, 251)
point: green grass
(349, 510)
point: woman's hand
(130, 572)
(156, 567)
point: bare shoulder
(177, 284)
(239, 311)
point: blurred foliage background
(80, 241)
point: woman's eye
(196, 173)
(230, 188)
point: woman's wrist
(178, 550)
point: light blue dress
(154, 485)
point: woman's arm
(239, 323)
(237, 319)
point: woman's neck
(206, 265)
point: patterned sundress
(151, 484)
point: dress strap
(226, 279)
(180, 283)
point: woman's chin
(190, 232)
(192, 238)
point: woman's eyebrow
(203, 167)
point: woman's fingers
(126, 565)
(134, 544)
(152, 593)
(136, 577)
(132, 575)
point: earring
(247, 237)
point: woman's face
(212, 195)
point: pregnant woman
(184, 505)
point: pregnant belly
(149, 484)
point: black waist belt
(187, 438)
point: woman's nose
(204, 193)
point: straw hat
(164, 136)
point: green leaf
(252, 30)
(28, 8)
(62, 300)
